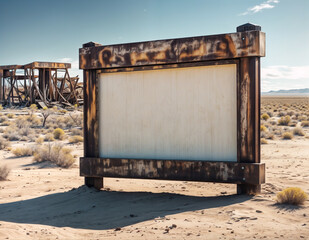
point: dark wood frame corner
(242, 48)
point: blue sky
(46, 30)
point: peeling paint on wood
(185, 170)
(204, 48)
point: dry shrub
(263, 141)
(23, 151)
(305, 123)
(56, 154)
(39, 140)
(287, 135)
(59, 133)
(292, 195)
(263, 128)
(284, 120)
(3, 119)
(76, 131)
(10, 115)
(3, 143)
(76, 139)
(265, 116)
(298, 131)
(49, 137)
(4, 172)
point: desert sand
(43, 201)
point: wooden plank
(91, 117)
(249, 117)
(183, 170)
(203, 48)
(47, 65)
(11, 67)
(249, 109)
(91, 123)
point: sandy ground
(43, 202)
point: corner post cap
(248, 27)
(91, 44)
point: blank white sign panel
(180, 113)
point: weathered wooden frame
(241, 48)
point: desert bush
(3, 119)
(293, 123)
(63, 111)
(292, 195)
(281, 114)
(298, 131)
(56, 154)
(76, 139)
(270, 136)
(23, 151)
(10, 115)
(287, 135)
(59, 133)
(3, 143)
(265, 116)
(46, 112)
(305, 123)
(49, 137)
(76, 131)
(77, 118)
(39, 140)
(4, 172)
(284, 120)
(270, 114)
(32, 109)
(263, 128)
(263, 141)
(25, 131)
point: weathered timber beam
(205, 171)
(47, 65)
(203, 48)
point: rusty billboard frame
(243, 48)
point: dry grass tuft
(287, 135)
(3, 143)
(284, 120)
(76, 139)
(56, 154)
(263, 128)
(10, 115)
(298, 131)
(49, 137)
(292, 195)
(305, 123)
(59, 134)
(263, 141)
(265, 116)
(4, 172)
(39, 140)
(23, 151)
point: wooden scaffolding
(47, 82)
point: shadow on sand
(87, 208)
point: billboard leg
(248, 189)
(96, 182)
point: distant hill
(303, 91)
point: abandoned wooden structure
(47, 82)
(120, 79)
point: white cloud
(74, 70)
(285, 72)
(284, 77)
(257, 8)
